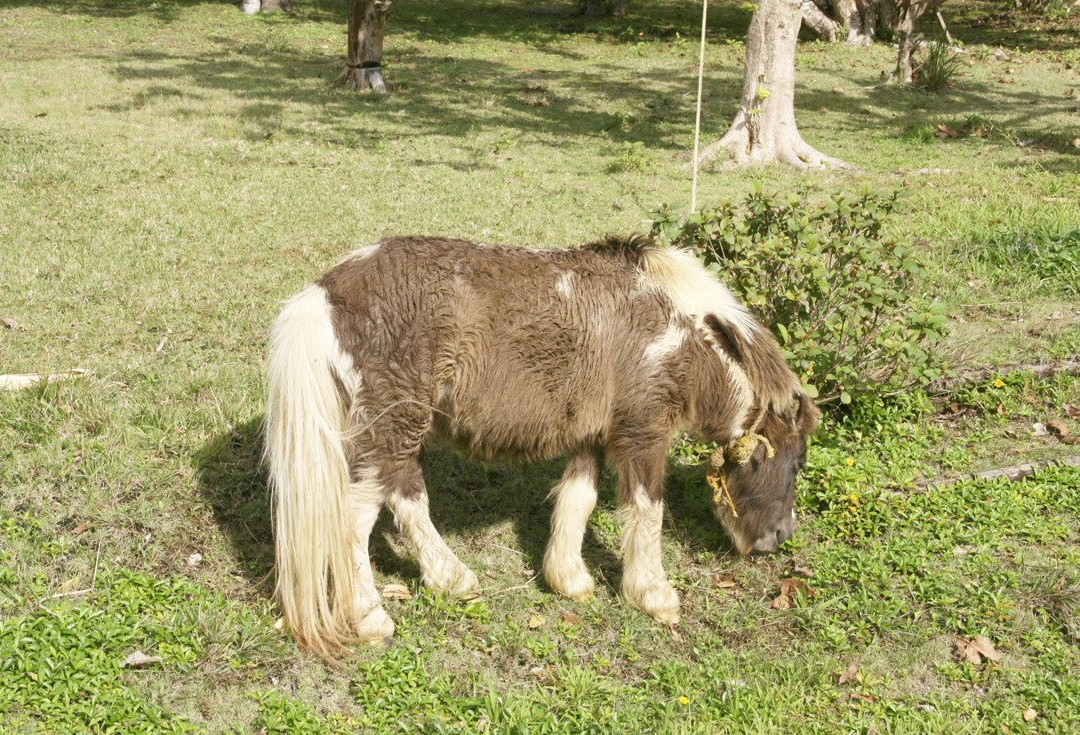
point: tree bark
(278, 6)
(859, 18)
(905, 36)
(367, 27)
(251, 7)
(764, 128)
(598, 8)
(818, 22)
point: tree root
(1041, 371)
(363, 80)
(1014, 473)
(792, 150)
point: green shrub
(939, 67)
(839, 296)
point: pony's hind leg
(575, 498)
(366, 497)
(439, 566)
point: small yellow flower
(684, 700)
(999, 383)
(850, 461)
(853, 499)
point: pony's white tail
(306, 418)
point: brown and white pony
(600, 353)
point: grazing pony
(600, 353)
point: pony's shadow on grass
(470, 501)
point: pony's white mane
(693, 290)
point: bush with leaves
(840, 297)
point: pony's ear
(728, 339)
(808, 415)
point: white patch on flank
(565, 285)
(644, 582)
(694, 291)
(439, 566)
(664, 345)
(575, 498)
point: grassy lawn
(170, 170)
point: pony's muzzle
(771, 540)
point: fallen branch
(1014, 473)
(1041, 371)
(17, 382)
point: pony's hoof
(574, 582)
(661, 601)
(456, 580)
(375, 627)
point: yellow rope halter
(737, 451)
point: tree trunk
(863, 18)
(251, 7)
(367, 27)
(818, 22)
(764, 129)
(905, 36)
(598, 8)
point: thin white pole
(697, 121)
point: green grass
(169, 171)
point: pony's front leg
(575, 498)
(439, 566)
(644, 583)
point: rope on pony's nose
(738, 452)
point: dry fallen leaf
(803, 571)
(983, 645)
(872, 730)
(194, 559)
(279, 623)
(70, 584)
(138, 659)
(975, 650)
(847, 674)
(569, 618)
(944, 131)
(536, 621)
(1030, 715)
(726, 582)
(1058, 428)
(81, 528)
(789, 590)
(675, 635)
(395, 591)
(1039, 429)
(10, 323)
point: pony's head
(753, 473)
(753, 477)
